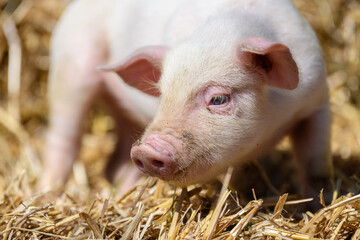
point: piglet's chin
(193, 175)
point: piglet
(234, 77)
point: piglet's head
(212, 104)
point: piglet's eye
(219, 100)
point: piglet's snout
(156, 155)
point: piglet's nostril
(157, 163)
(139, 163)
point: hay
(180, 214)
(89, 207)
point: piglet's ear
(273, 60)
(142, 69)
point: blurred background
(25, 32)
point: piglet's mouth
(181, 171)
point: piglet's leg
(119, 169)
(311, 143)
(120, 158)
(69, 105)
(74, 85)
(78, 46)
